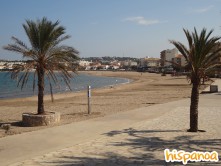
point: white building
(132, 63)
(10, 64)
(2, 65)
(84, 63)
(115, 67)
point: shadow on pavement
(142, 148)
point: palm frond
(202, 54)
(45, 54)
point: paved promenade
(136, 137)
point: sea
(80, 82)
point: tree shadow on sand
(142, 148)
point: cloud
(142, 21)
(202, 10)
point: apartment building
(167, 56)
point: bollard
(89, 97)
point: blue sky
(135, 28)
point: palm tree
(201, 55)
(44, 56)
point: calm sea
(9, 89)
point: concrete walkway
(18, 148)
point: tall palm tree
(44, 56)
(201, 55)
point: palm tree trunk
(41, 91)
(194, 108)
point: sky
(124, 28)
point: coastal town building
(179, 60)
(124, 63)
(104, 67)
(115, 63)
(167, 56)
(150, 62)
(218, 45)
(95, 65)
(2, 65)
(84, 63)
(128, 63)
(8, 65)
(132, 63)
(171, 57)
(115, 67)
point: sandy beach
(145, 90)
(138, 121)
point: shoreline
(145, 90)
(47, 94)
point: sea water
(9, 88)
